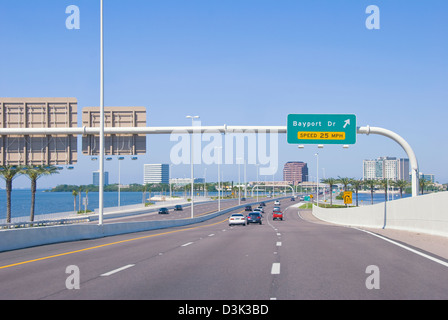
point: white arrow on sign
(347, 122)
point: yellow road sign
(348, 197)
(321, 135)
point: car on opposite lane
(164, 211)
(237, 218)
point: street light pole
(219, 177)
(317, 179)
(192, 166)
(101, 182)
(119, 181)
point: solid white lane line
(275, 268)
(117, 270)
(187, 244)
(443, 263)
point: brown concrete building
(295, 172)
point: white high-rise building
(156, 173)
(386, 168)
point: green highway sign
(321, 129)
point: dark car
(164, 211)
(178, 207)
(253, 217)
(293, 199)
(243, 199)
(248, 208)
(262, 204)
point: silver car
(237, 218)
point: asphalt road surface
(292, 259)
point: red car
(277, 215)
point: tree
(345, 182)
(34, 173)
(75, 194)
(423, 183)
(401, 184)
(8, 173)
(331, 182)
(384, 183)
(371, 184)
(356, 185)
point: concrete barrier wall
(425, 214)
(30, 237)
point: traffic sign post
(348, 197)
(321, 129)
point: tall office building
(96, 178)
(295, 172)
(156, 173)
(386, 168)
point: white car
(237, 218)
(277, 202)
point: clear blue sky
(241, 62)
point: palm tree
(75, 194)
(8, 173)
(423, 183)
(401, 184)
(357, 185)
(34, 173)
(344, 181)
(331, 182)
(384, 183)
(371, 184)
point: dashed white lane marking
(117, 270)
(187, 244)
(211, 235)
(275, 268)
(279, 244)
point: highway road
(293, 259)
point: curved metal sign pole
(405, 145)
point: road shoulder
(436, 245)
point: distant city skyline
(240, 63)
